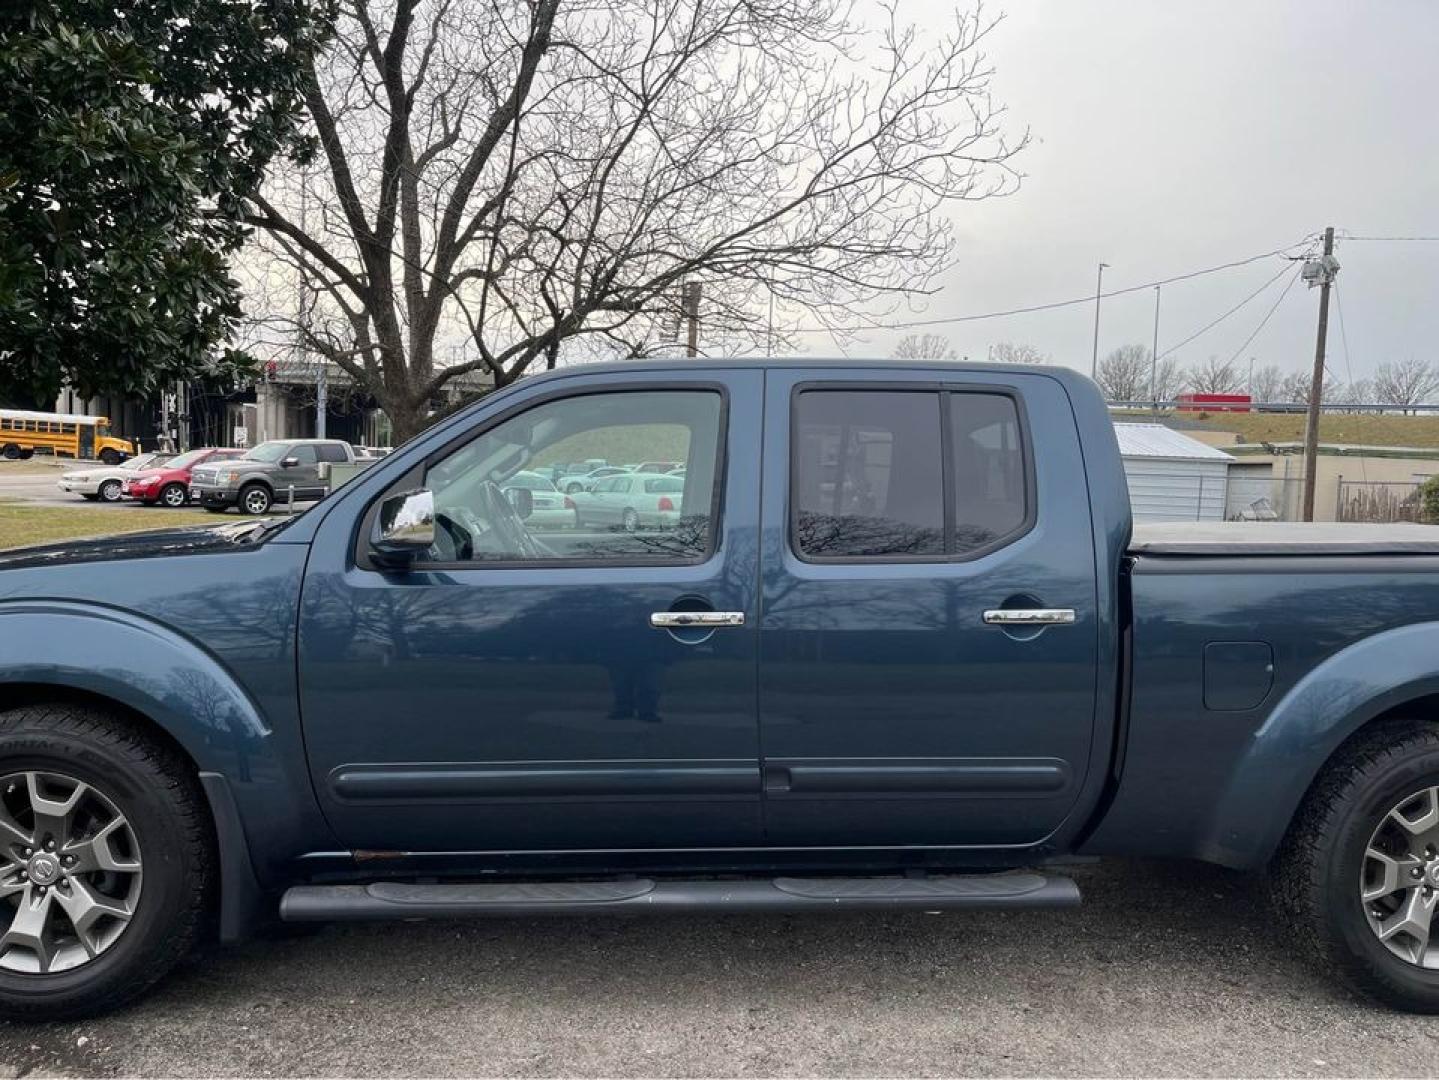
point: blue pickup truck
(899, 647)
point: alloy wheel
(1399, 879)
(173, 496)
(110, 491)
(256, 501)
(70, 872)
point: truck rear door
(929, 635)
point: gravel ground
(1169, 969)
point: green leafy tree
(131, 132)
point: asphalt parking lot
(1169, 969)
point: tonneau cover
(1283, 538)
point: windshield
(185, 460)
(268, 451)
(533, 481)
(146, 461)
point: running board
(396, 900)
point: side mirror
(404, 527)
(523, 500)
(289, 462)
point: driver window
(543, 485)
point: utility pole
(1154, 356)
(690, 302)
(322, 388)
(1098, 286)
(1324, 275)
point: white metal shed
(1171, 476)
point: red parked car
(169, 484)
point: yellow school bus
(22, 432)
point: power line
(1211, 325)
(1267, 315)
(1397, 239)
(1031, 309)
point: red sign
(1214, 402)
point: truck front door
(929, 640)
(532, 685)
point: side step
(396, 900)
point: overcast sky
(1169, 137)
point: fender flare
(182, 689)
(1327, 706)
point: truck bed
(1283, 538)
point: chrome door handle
(1044, 616)
(671, 620)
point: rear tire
(165, 854)
(1328, 882)
(256, 499)
(11, 451)
(110, 491)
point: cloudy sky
(1169, 137)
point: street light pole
(1098, 287)
(1154, 355)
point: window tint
(868, 476)
(870, 473)
(476, 522)
(305, 454)
(988, 470)
(331, 452)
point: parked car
(631, 501)
(549, 507)
(273, 470)
(585, 481)
(169, 482)
(657, 466)
(906, 651)
(103, 482)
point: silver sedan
(632, 501)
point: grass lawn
(1364, 429)
(42, 466)
(22, 523)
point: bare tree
(1266, 382)
(1294, 388)
(1168, 380)
(1007, 352)
(1123, 374)
(1405, 382)
(1215, 376)
(1359, 392)
(924, 347)
(508, 176)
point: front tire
(1357, 876)
(256, 499)
(110, 491)
(118, 881)
(174, 496)
(109, 456)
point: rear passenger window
(988, 474)
(331, 452)
(896, 475)
(869, 474)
